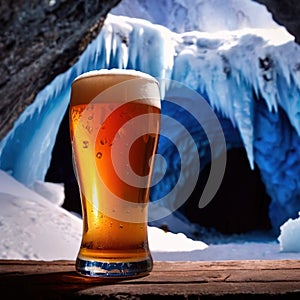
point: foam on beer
(139, 86)
(133, 73)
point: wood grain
(180, 280)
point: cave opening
(61, 167)
(240, 205)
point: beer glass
(114, 126)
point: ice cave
(247, 70)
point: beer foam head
(124, 72)
(132, 85)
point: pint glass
(114, 126)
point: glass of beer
(114, 126)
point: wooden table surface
(278, 279)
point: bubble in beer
(99, 155)
(85, 144)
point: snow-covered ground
(33, 227)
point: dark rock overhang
(38, 41)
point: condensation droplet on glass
(111, 224)
(99, 155)
(103, 141)
(89, 128)
(121, 226)
(90, 117)
(90, 107)
(85, 144)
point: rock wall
(38, 41)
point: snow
(35, 228)
(290, 235)
(232, 54)
(53, 192)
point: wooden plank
(58, 279)
(163, 266)
(236, 264)
(189, 290)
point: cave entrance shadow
(241, 203)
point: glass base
(114, 269)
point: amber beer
(114, 124)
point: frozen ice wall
(198, 15)
(250, 76)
